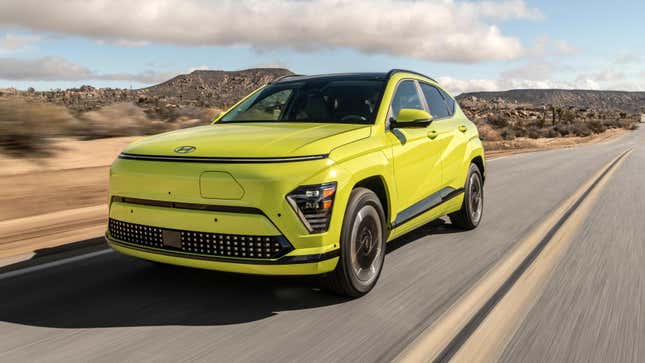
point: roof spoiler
(285, 76)
(394, 71)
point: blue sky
(467, 45)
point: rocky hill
(199, 89)
(501, 119)
(219, 89)
(633, 102)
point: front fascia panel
(265, 187)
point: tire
(470, 214)
(362, 246)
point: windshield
(316, 100)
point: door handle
(432, 134)
(462, 128)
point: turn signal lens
(313, 205)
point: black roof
(346, 76)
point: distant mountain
(604, 100)
(219, 89)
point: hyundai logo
(185, 149)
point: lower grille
(200, 243)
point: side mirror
(409, 117)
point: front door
(416, 152)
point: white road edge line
(47, 265)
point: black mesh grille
(201, 243)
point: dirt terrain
(76, 177)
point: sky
(466, 45)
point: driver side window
(406, 96)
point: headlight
(312, 204)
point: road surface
(592, 308)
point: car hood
(259, 140)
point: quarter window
(406, 97)
(438, 107)
(450, 102)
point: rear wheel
(362, 246)
(472, 208)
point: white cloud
(533, 70)
(606, 75)
(274, 64)
(61, 69)
(10, 43)
(545, 46)
(628, 59)
(564, 48)
(438, 30)
(457, 86)
(41, 69)
(510, 9)
(198, 68)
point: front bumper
(287, 265)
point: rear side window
(406, 97)
(438, 107)
(450, 102)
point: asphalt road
(113, 308)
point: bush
(120, 119)
(629, 125)
(26, 128)
(596, 126)
(551, 133)
(534, 132)
(580, 129)
(487, 133)
(519, 131)
(563, 130)
(508, 134)
(498, 120)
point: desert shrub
(120, 119)
(563, 130)
(596, 126)
(540, 122)
(487, 133)
(189, 112)
(629, 124)
(498, 120)
(580, 129)
(568, 116)
(174, 113)
(551, 133)
(26, 128)
(508, 134)
(519, 131)
(534, 132)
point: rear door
(450, 131)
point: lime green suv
(308, 175)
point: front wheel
(362, 246)
(470, 214)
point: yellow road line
(451, 330)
